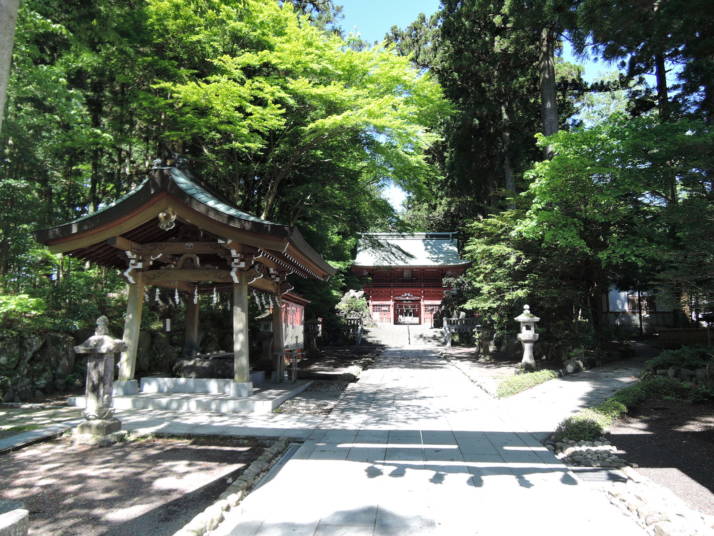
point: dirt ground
(672, 442)
(139, 487)
(331, 373)
(339, 362)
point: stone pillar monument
(527, 336)
(98, 414)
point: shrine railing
(354, 329)
(458, 325)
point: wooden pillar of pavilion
(241, 344)
(192, 322)
(278, 339)
(132, 326)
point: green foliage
(689, 357)
(600, 205)
(586, 425)
(702, 393)
(289, 101)
(20, 311)
(486, 55)
(612, 408)
(521, 382)
(353, 306)
(648, 37)
(272, 107)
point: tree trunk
(270, 196)
(662, 98)
(509, 181)
(596, 312)
(96, 108)
(8, 17)
(548, 104)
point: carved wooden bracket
(135, 263)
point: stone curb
(24, 439)
(213, 515)
(597, 453)
(489, 390)
(656, 509)
(14, 518)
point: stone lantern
(98, 413)
(527, 336)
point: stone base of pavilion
(203, 395)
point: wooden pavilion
(173, 232)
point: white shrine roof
(408, 249)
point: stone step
(263, 400)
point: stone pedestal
(241, 389)
(528, 359)
(98, 427)
(100, 376)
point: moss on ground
(521, 382)
(7, 431)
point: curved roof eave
(167, 183)
(176, 183)
(299, 242)
(412, 266)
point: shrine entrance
(407, 312)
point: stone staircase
(400, 336)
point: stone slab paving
(25, 438)
(539, 410)
(413, 448)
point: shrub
(521, 382)
(631, 396)
(689, 357)
(702, 393)
(585, 425)
(611, 409)
(665, 387)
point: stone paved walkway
(413, 448)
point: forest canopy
(559, 187)
(271, 108)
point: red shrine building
(404, 273)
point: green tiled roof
(112, 204)
(192, 189)
(201, 194)
(408, 249)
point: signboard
(293, 325)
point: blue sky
(373, 18)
